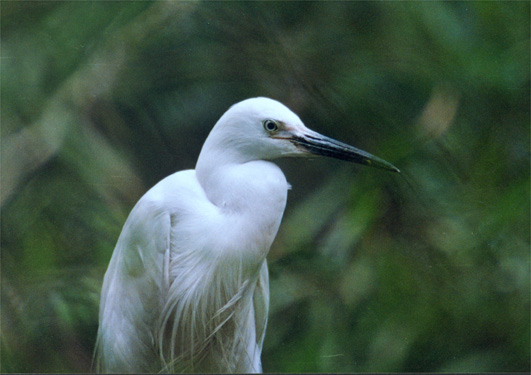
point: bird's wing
(132, 291)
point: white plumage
(187, 287)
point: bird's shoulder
(147, 228)
(172, 190)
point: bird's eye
(270, 126)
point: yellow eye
(270, 126)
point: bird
(187, 286)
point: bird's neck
(251, 198)
(239, 187)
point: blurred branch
(439, 113)
(27, 150)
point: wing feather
(261, 304)
(133, 290)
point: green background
(370, 271)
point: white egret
(187, 286)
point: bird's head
(264, 129)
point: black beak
(320, 145)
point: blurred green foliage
(370, 271)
